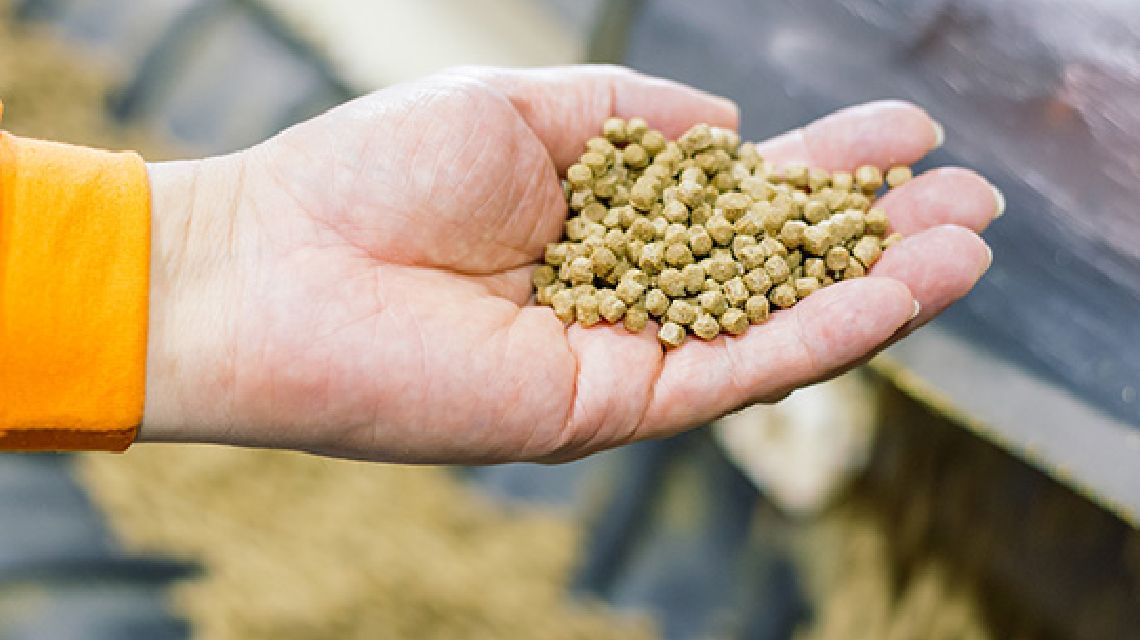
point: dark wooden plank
(1043, 98)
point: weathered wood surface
(1041, 97)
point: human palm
(359, 286)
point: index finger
(881, 133)
(565, 106)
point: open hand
(358, 286)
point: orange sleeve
(74, 267)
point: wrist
(194, 208)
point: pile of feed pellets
(703, 234)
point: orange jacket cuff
(74, 267)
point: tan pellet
(757, 280)
(638, 276)
(636, 127)
(627, 215)
(600, 145)
(543, 275)
(867, 251)
(594, 212)
(696, 139)
(563, 304)
(721, 268)
(615, 241)
(876, 221)
(797, 174)
(868, 178)
(652, 258)
(757, 309)
(597, 162)
(630, 291)
(740, 242)
(837, 258)
(806, 286)
(815, 268)
(675, 211)
(671, 335)
(854, 270)
(671, 282)
(612, 308)
(701, 214)
(734, 321)
(792, 233)
(642, 196)
(604, 261)
(898, 176)
(681, 312)
(690, 192)
(815, 211)
(544, 295)
(773, 247)
(654, 142)
(579, 175)
(757, 188)
(555, 253)
(733, 204)
(858, 201)
(748, 225)
(777, 268)
(635, 156)
(700, 242)
(642, 229)
(713, 302)
(614, 130)
(656, 302)
(636, 317)
(817, 240)
(720, 229)
(581, 271)
(842, 181)
(891, 240)
(736, 292)
(818, 179)
(705, 326)
(783, 295)
(694, 277)
(678, 255)
(751, 257)
(586, 310)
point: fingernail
(1000, 201)
(939, 134)
(917, 310)
(989, 261)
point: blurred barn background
(981, 480)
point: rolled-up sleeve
(74, 266)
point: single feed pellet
(702, 234)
